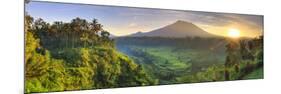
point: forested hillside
(196, 59)
(67, 50)
(244, 60)
(80, 55)
(75, 56)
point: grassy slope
(179, 59)
(170, 59)
(179, 62)
(257, 74)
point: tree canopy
(75, 56)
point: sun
(233, 33)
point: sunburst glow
(234, 33)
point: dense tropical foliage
(75, 56)
(187, 60)
(80, 54)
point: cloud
(133, 25)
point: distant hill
(178, 29)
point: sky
(122, 21)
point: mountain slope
(177, 29)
